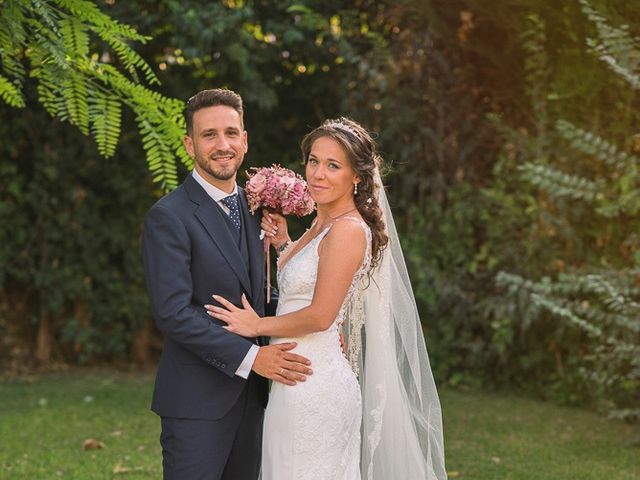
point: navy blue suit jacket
(189, 254)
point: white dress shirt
(217, 195)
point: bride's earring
(355, 189)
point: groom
(211, 386)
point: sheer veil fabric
(402, 434)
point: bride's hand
(243, 321)
(275, 228)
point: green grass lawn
(44, 421)
(492, 436)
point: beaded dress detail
(312, 430)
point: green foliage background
(510, 129)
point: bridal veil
(401, 418)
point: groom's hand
(277, 363)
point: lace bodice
(297, 278)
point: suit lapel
(211, 218)
(254, 245)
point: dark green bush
(70, 239)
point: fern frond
(600, 284)
(114, 33)
(130, 59)
(10, 93)
(49, 90)
(88, 12)
(46, 47)
(106, 114)
(138, 93)
(608, 304)
(159, 131)
(75, 36)
(539, 295)
(596, 315)
(612, 297)
(173, 127)
(55, 37)
(74, 90)
(513, 283)
(591, 144)
(556, 308)
(536, 66)
(62, 90)
(615, 46)
(48, 16)
(159, 156)
(12, 39)
(616, 41)
(559, 184)
(627, 205)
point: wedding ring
(282, 370)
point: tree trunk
(44, 339)
(141, 344)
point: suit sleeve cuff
(245, 367)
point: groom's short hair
(211, 98)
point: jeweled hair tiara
(343, 126)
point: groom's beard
(212, 166)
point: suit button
(224, 365)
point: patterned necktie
(231, 203)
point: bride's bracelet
(282, 247)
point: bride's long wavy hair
(362, 153)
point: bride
(375, 413)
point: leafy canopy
(86, 71)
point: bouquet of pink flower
(280, 190)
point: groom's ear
(188, 145)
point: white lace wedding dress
(312, 430)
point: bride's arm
(341, 254)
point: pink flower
(278, 189)
(258, 184)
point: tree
(86, 71)
(589, 202)
(70, 280)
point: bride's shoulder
(352, 223)
(345, 242)
(349, 229)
